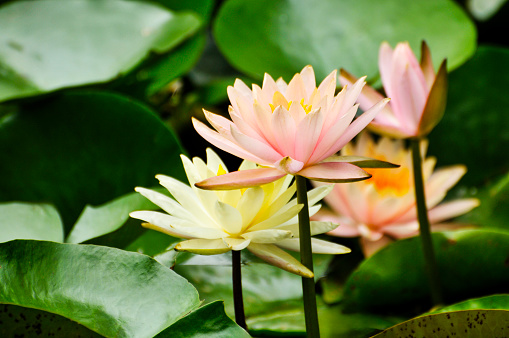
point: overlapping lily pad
(47, 45)
(82, 148)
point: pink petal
(223, 143)
(255, 147)
(328, 86)
(360, 123)
(385, 63)
(334, 172)
(452, 209)
(241, 179)
(333, 133)
(289, 165)
(368, 96)
(243, 89)
(284, 129)
(308, 77)
(308, 132)
(427, 65)
(295, 90)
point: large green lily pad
(110, 291)
(281, 37)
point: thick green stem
(238, 302)
(424, 227)
(306, 257)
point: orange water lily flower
(288, 129)
(418, 95)
(382, 208)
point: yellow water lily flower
(262, 219)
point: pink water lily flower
(418, 95)
(382, 208)
(288, 129)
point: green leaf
(46, 46)
(281, 37)
(493, 212)
(203, 8)
(495, 302)
(110, 291)
(474, 323)
(97, 221)
(152, 243)
(83, 148)
(207, 321)
(470, 262)
(30, 221)
(173, 65)
(473, 109)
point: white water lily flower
(262, 219)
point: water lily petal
(435, 105)
(203, 246)
(289, 165)
(236, 244)
(255, 147)
(241, 179)
(223, 143)
(229, 217)
(448, 210)
(277, 257)
(249, 205)
(334, 172)
(166, 203)
(308, 132)
(279, 218)
(427, 65)
(267, 236)
(318, 246)
(284, 128)
(316, 227)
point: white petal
(203, 246)
(228, 217)
(278, 218)
(277, 257)
(318, 246)
(267, 236)
(249, 205)
(317, 227)
(236, 244)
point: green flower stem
(424, 227)
(306, 257)
(238, 301)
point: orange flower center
(390, 181)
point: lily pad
(110, 291)
(83, 148)
(495, 302)
(47, 46)
(281, 37)
(473, 323)
(394, 276)
(30, 221)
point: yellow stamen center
(279, 100)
